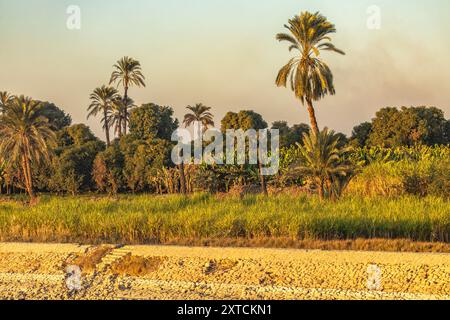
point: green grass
(149, 219)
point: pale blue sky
(223, 53)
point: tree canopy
(151, 121)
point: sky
(223, 53)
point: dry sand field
(40, 271)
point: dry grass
(136, 266)
(399, 245)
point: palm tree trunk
(263, 180)
(28, 177)
(125, 111)
(119, 127)
(321, 190)
(312, 117)
(108, 140)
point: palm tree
(322, 159)
(25, 138)
(117, 116)
(5, 100)
(199, 114)
(127, 72)
(102, 101)
(310, 77)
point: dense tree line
(140, 161)
(40, 149)
(393, 127)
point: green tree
(310, 77)
(151, 121)
(394, 127)
(25, 138)
(199, 114)
(128, 72)
(57, 118)
(361, 134)
(244, 120)
(71, 169)
(247, 120)
(143, 160)
(321, 158)
(108, 170)
(102, 101)
(289, 136)
(76, 135)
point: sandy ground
(38, 271)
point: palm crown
(5, 100)
(199, 113)
(128, 73)
(310, 77)
(321, 158)
(102, 101)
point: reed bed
(145, 219)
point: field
(145, 219)
(37, 271)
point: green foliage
(143, 160)
(108, 170)
(408, 126)
(151, 121)
(244, 120)
(199, 113)
(221, 178)
(78, 135)
(290, 136)
(361, 134)
(419, 171)
(103, 100)
(148, 220)
(322, 158)
(26, 138)
(57, 118)
(127, 72)
(71, 168)
(310, 77)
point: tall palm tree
(25, 138)
(321, 158)
(127, 73)
(310, 77)
(118, 115)
(102, 101)
(5, 100)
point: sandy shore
(38, 271)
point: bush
(420, 178)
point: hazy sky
(224, 53)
